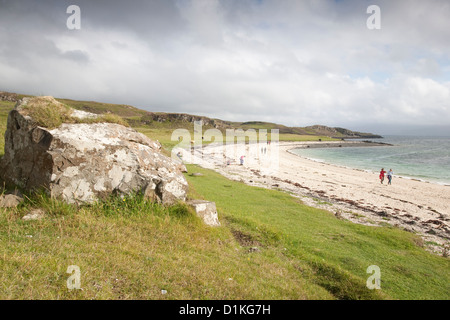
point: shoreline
(350, 194)
(340, 144)
(441, 183)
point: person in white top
(389, 176)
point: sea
(414, 157)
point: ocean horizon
(425, 158)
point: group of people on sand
(389, 175)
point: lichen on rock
(82, 162)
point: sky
(293, 62)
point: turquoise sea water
(424, 158)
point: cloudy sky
(295, 62)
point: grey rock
(197, 174)
(206, 210)
(10, 200)
(84, 162)
(35, 214)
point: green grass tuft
(5, 108)
(47, 112)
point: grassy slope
(333, 253)
(162, 131)
(132, 249)
(157, 131)
(99, 108)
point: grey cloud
(76, 56)
(295, 62)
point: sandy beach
(351, 194)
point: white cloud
(292, 62)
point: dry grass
(50, 113)
(47, 112)
(133, 249)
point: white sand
(351, 194)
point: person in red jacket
(382, 172)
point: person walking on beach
(242, 160)
(382, 172)
(389, 175)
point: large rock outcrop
(82, 162)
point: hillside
(138, 118)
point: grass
(5, 108)
(133, 249)
(50, 113)
(297, 137)
(318, 201)
(121, 110)
(163, 133)
(336, 252)
(47, 112)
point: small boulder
(196, 174)
(10, 201)
(35, 214)
(206, 210)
